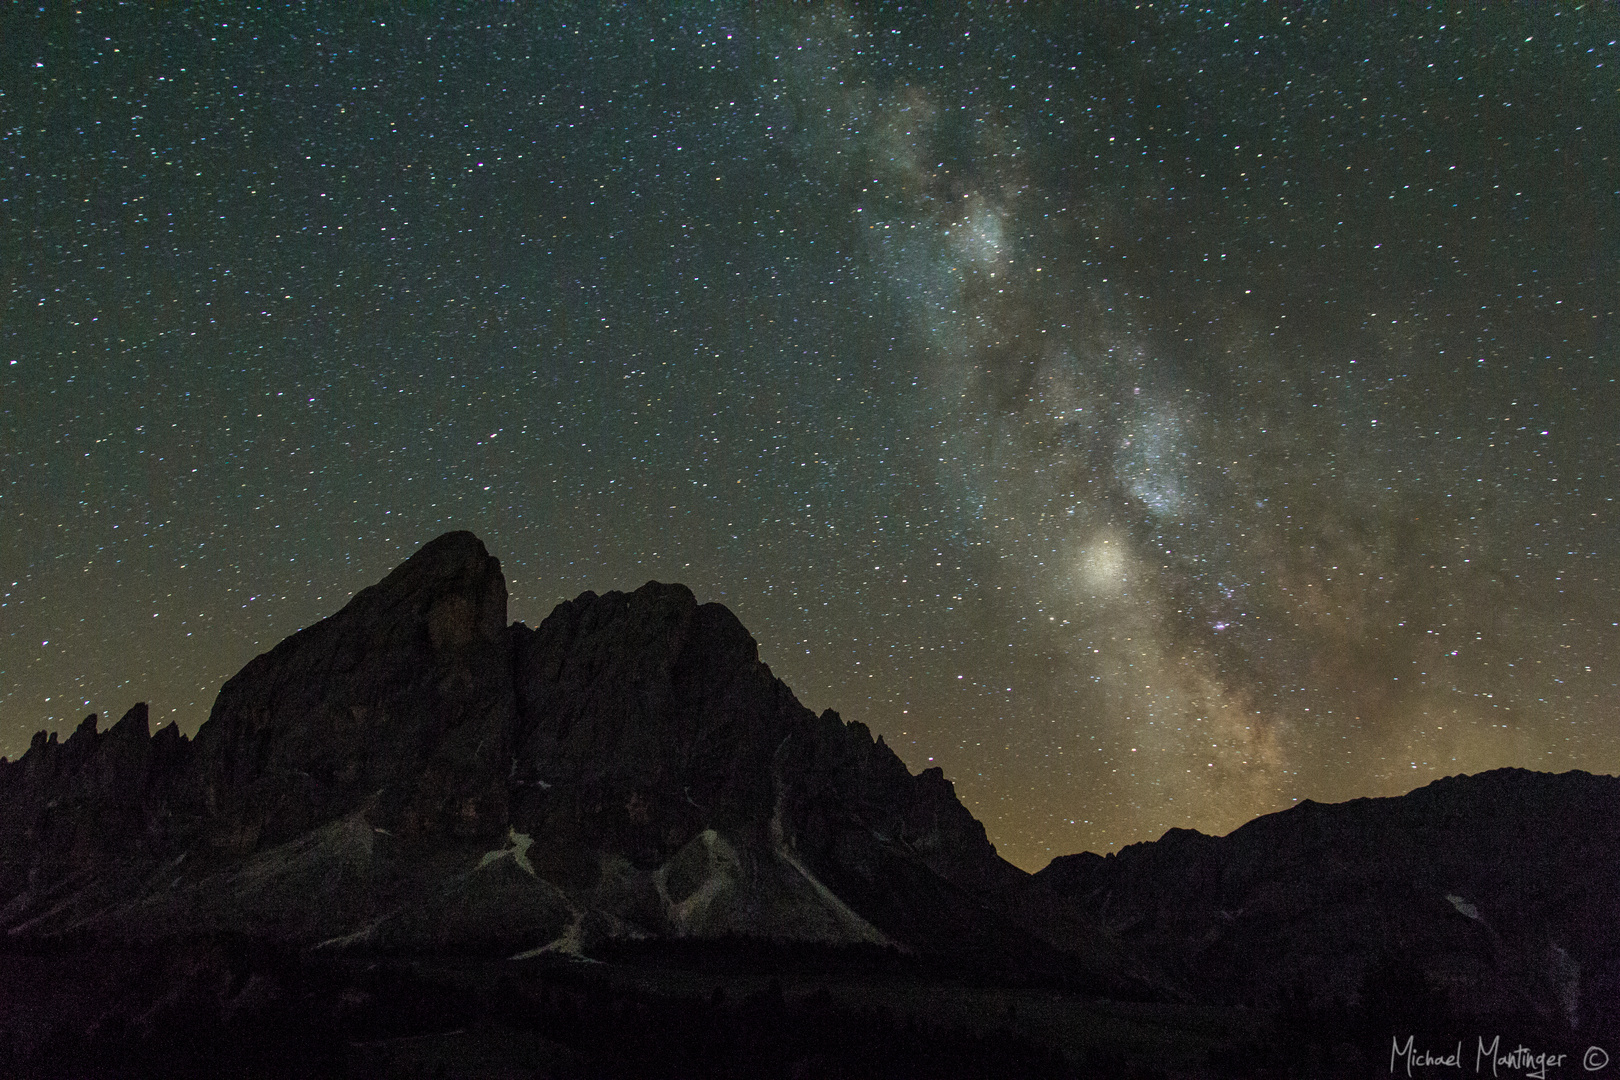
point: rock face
(1493, 897)
(402, 702)
(82, 817)
(414, 773)
(649, 729)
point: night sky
(1153, 417)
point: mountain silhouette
(415, 812)
(414, 773)
(1491, 897)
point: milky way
(1153, 418)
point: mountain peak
(402, 700)
(364, 782)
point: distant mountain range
(415, 781)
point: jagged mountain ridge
(412, 772)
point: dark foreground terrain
(234, 1007)
(231, 1006)
(237, 1008)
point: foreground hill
(1493, 899)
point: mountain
(414, 836)
(413, 773)
(1491, 899)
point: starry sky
(1153, 416)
